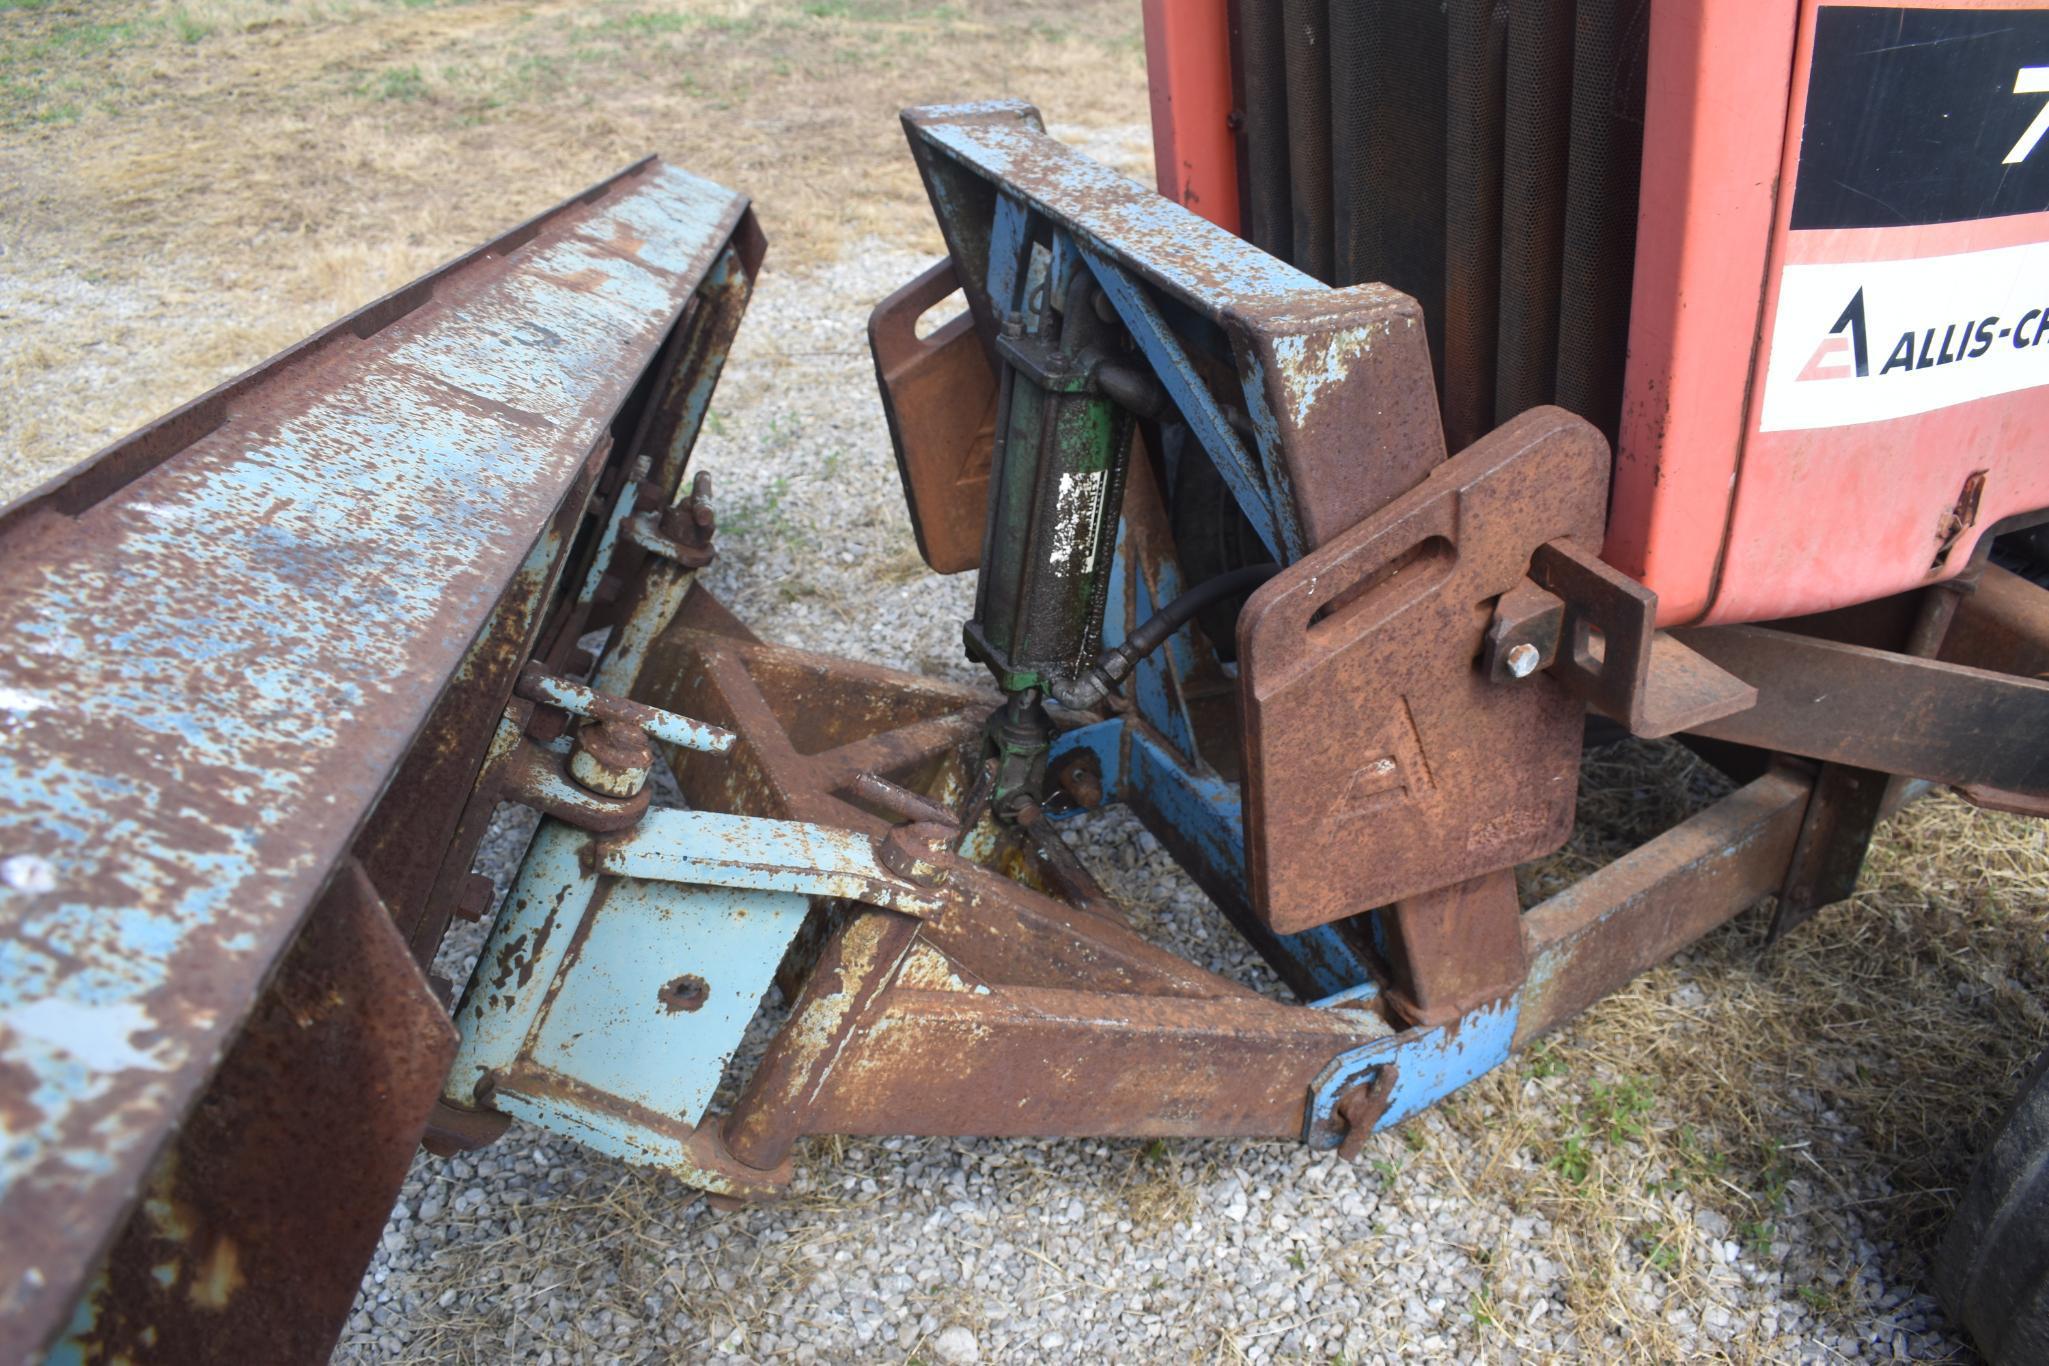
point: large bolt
(1522, 660)
(611, 758)
(1080, 779)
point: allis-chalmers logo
(1870, 341)
(1845, 352)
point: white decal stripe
(1936, 331)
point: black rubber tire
(1992, 1273)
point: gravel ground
(1740, 1156)
(1435, 1246)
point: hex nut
(611, 758)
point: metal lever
(537, 685)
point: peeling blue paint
(214, 670)
(1191, 394)
(1429, 1065)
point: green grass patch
(83, 39)
(1623, 1108)
(1574, 1160)
(394, 83)
(1544, 1061)
(660, 21)
(189, 29)
(1661, 1254)
(764, 518)
(50, 77)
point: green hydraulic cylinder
(1056, 491)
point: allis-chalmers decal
(1870, 341)
(1916, 117)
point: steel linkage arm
(955, 1026)
(1880, 710)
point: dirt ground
(186, 189)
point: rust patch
(250, 1240)
(686, 993)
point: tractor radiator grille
(1480, 155)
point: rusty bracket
(1362, 1107)
(939, 397)
(2002, 626)
(1383, 1082)
(537, 774)
(1316, 405)
(713, 848)
(1523, 637)
(566, 694)
(598, 781)
(683, 532)
(1881, 710)
(656, 943)
(1615, 659)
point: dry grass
(1818, 1102)
(185, 189)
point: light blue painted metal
(668, 583)
(221, 640)
(627, 1137)
(1201, 805)
(1273, 460)
(752, 851)
(1365, 994)
(521, 957)
(1429, 1065)
(726, 275)
(1105, 740)
(662, 985)
(1009, 253)
(607, 1007)
(681, 731)
(1061, 264)
(1155, 684)
(622, 970)
(622, 507)
(1273, 520)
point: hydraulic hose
(1114, 665)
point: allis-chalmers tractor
(1484, 381)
